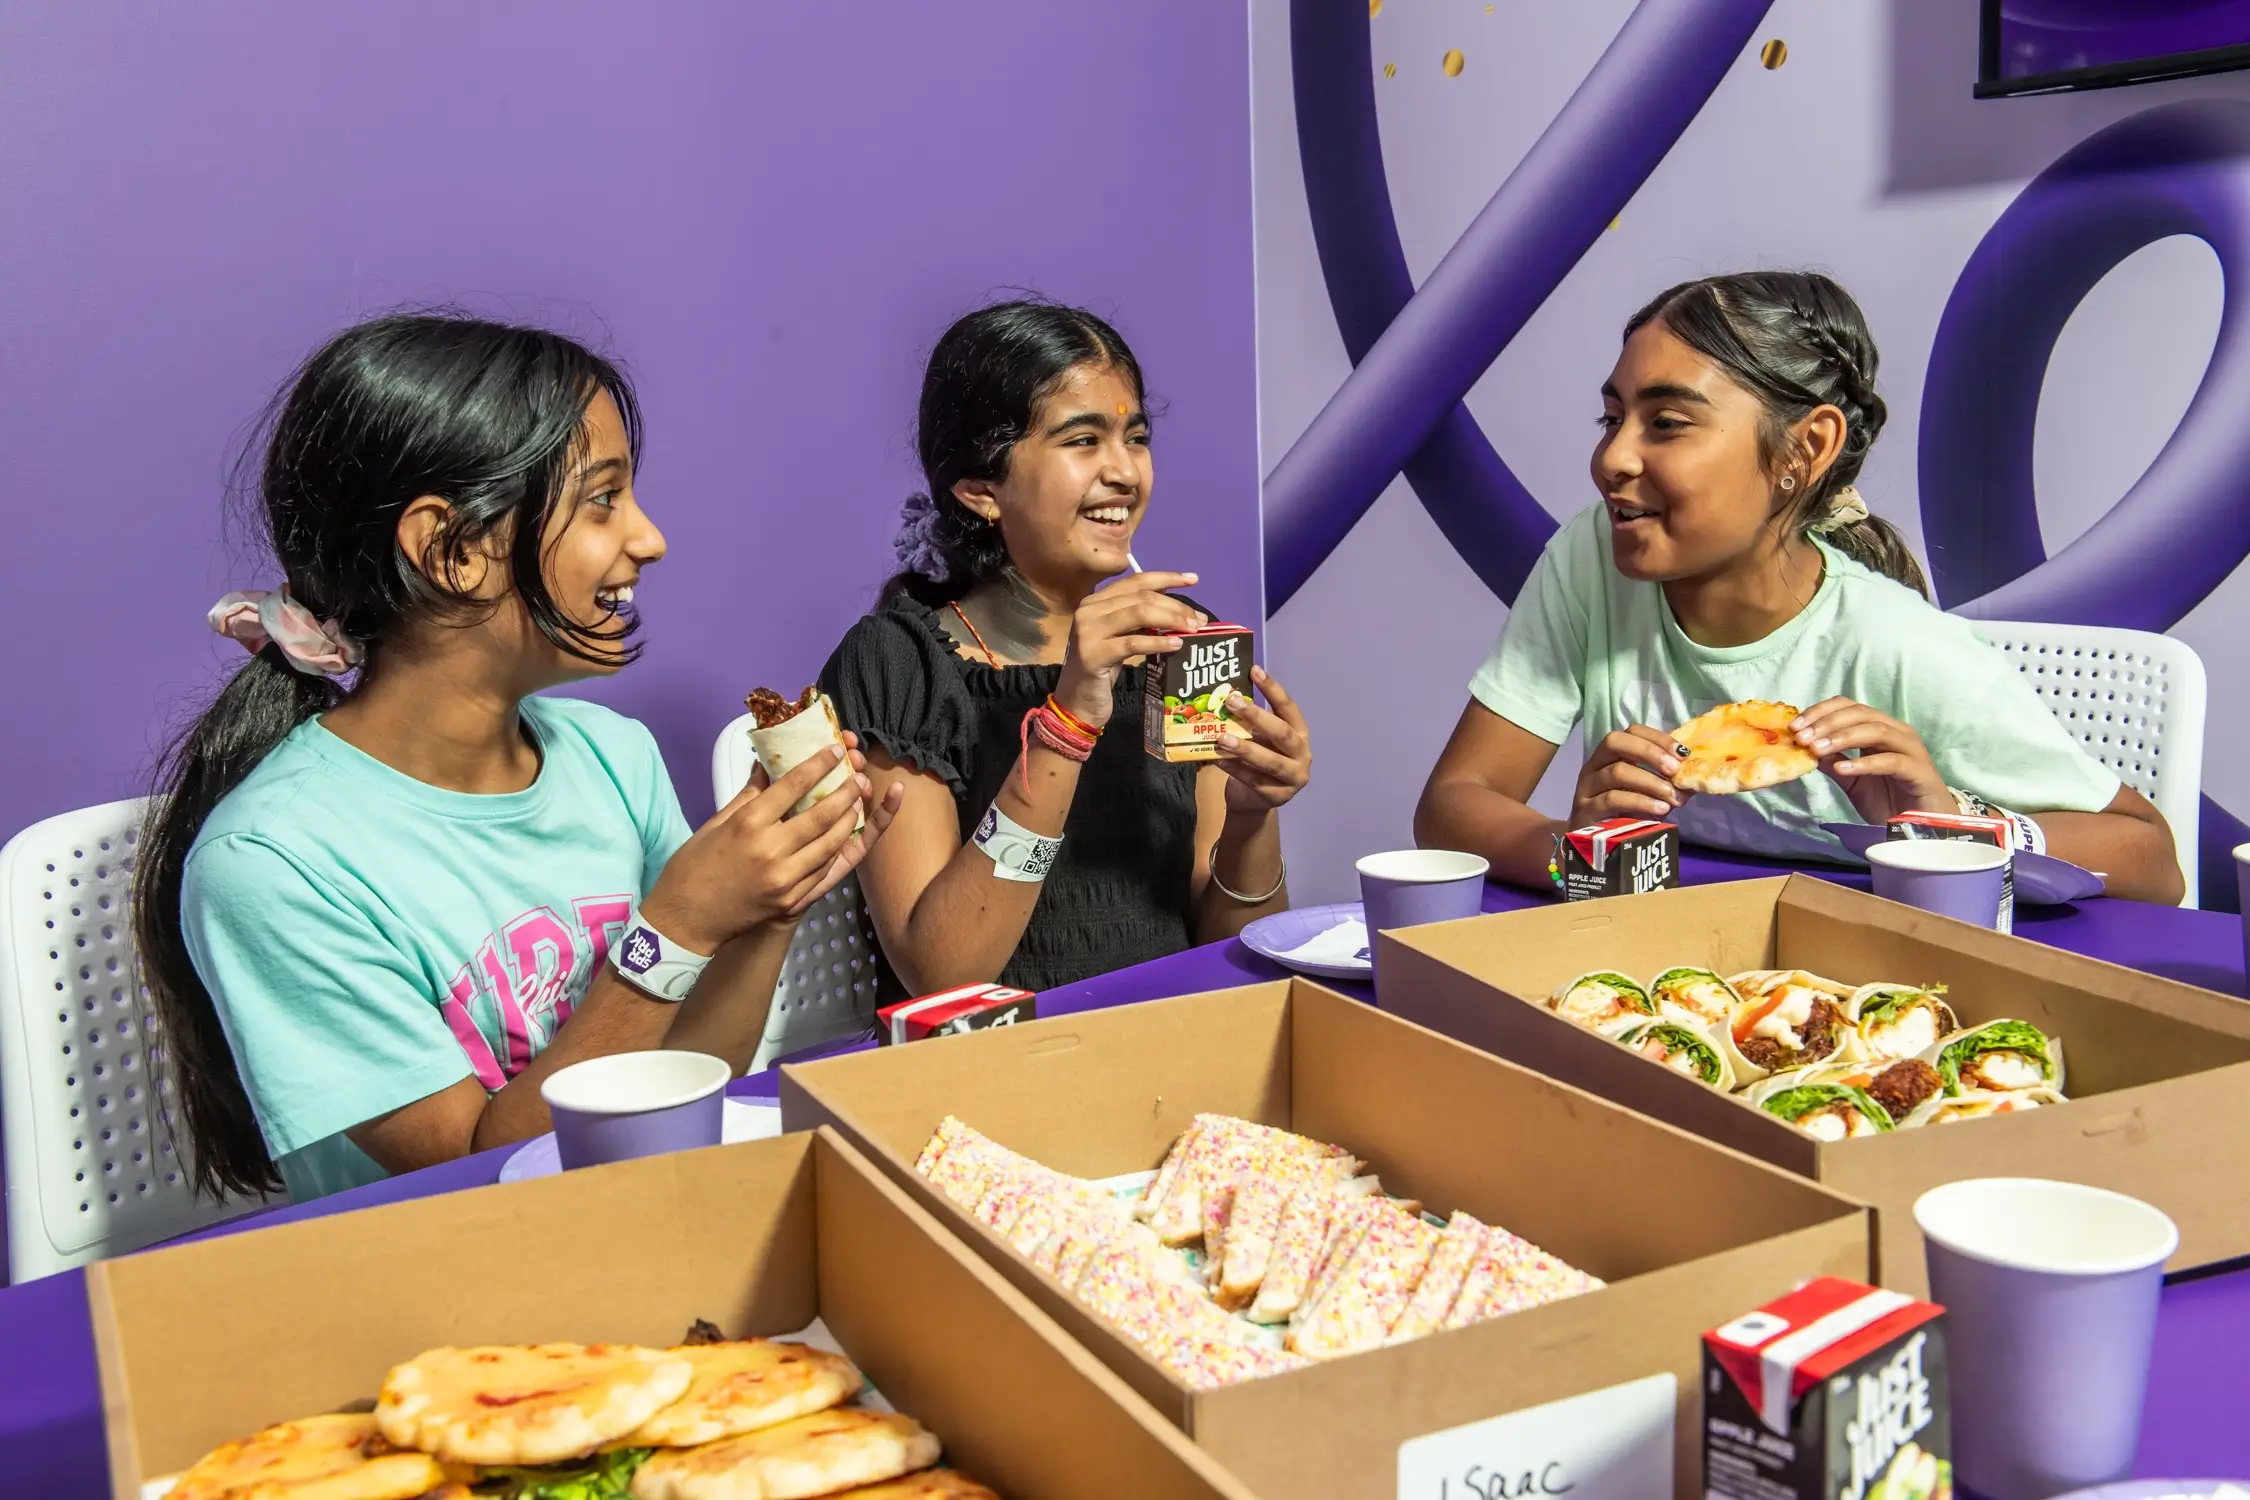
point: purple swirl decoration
(2185, 526)
(1417, 353)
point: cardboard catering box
(213, 1340)
(1688, 1236)
(2158, 1072)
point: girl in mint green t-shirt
(383, 890)
(1732, 559)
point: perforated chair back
(2135, 700)
(827, 986)
(86, 1100)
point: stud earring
(1788, 482)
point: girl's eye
(606, 499)
(1668, 424)
(1609, 421)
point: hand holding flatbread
(1741, 747)
(1881, 764)
(1627, 776)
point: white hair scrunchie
(1845, 508)
(261, 617)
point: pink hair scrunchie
(259, 617)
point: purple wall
(769, 211)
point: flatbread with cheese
(1741, 747)
(816, 1455)
(536, 1404)
(930, 1484)
(318, 1458)
(745, 1385)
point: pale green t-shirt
(1585, 644)
(370, 939)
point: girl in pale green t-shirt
(1732, 559)
(383, 891)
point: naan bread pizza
(816, 1455)
(1741, 747)
(319, 1458)
(745, 1385)
(930, 1484)
(535, 1404)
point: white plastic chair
(827, 986)
(2135, 700)
(86, 1101)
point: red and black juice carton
(1835, 1392)
(1182, 717)
(970, 1007)
(1966, 828)
(1622, 857)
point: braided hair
(1797, 341)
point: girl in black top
(1035, 439)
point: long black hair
(487, 417)
(1797, 341)
(980, 393)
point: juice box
(970, 1007)
(1837, 1391)
(1622, 857)
(1178, 721)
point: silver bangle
(1211, 864)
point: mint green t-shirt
(370, 939)
(1585, 644)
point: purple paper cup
(1948, 877)
(636, 1104)
(2242, 886)
(1412, 887)
(2050, 1291)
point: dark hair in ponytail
(488, 417)
(1797, 341)
(984, 385)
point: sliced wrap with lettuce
(1694, 997)
(1603, 1000)
(1891, 1021)
(1999, 1057)
(1828, 1111)
(1952, 1109)
(1684, 1049)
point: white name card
(1613, 1444)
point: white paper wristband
(1016, 852)
(653, 963)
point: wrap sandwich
(1999, 1057)
(789, 734)
(1900, 1087)
(1891, 1021)
(1683, 1049)
(1951, 1110)
(1828, 1111)
(1791, 1021)
(1603, 1000)
(1694, 997)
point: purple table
(50, 1398)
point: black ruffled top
(1120, 893)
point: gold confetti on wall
(1390, 70)
(1374, 9)
(1488, 10)
(1453, 63)
(1776, 53)
(1617, 221)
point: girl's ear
(1820, 439)
(978, 495)
(423, 539)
